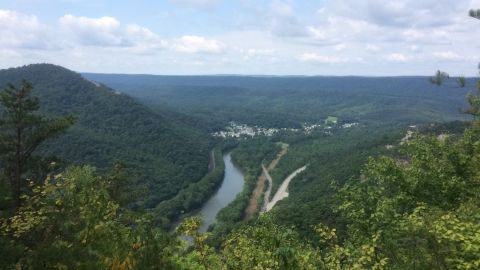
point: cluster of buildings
(235, 130)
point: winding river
(232, 184)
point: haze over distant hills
(288, 101)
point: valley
(331, 123)
(187, 155)
(239, 135)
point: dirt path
(257, 192)
(282, 190)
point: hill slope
(289, 101)
(161, 150)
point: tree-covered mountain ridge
(159, 149)
(286, 101)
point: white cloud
(196, 3)
(281, 8)
(446, 55)
(372, 47)
(109, 32)
(405, 13)
(317, 33)
(281, 20)
(413, 34)
(398, 57)
(340, 47)
(259, 52)
(427, 36)
(197, 44)
(333, 29)
(259, 36)
(323, 59)
(414, 48)
(22, 31)
(75, 32)
(104, 31)
(143, 39)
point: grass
(331, 119)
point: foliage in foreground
(71, 222)
(420, 212)
(417, 211)
(423, 210)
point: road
(282, 191)
(260, 187)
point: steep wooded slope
(161, 150)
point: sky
(251, 37)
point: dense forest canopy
(289, 101)
(161, 151)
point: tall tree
(22, 130)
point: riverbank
(193, 197)
(232, 184)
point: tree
(475, 13)
(22, 130)
(461, 81)
(424, 211)
(439, 77)
(72, 222)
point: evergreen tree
(22, 130)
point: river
(232, 184)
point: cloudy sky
(278, 37)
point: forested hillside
(383, 106)
(162, 153)
(371, 197)
(290, 101)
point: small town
(235, 130)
